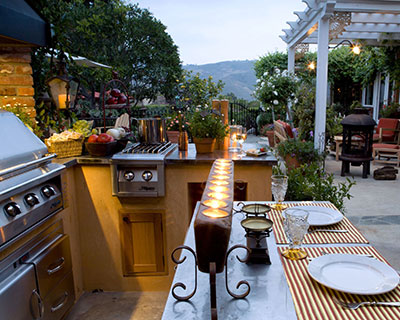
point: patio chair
(387, 153)
(280, 133)
(386, 131)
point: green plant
(303, 151)
(177, 121)
(263, 119)
(206, 123)
(390, 111)
(265, 128)
(274, 89)
(311, 182)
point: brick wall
(16, 82)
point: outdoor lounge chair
(280, 133)
(386, 131)
(387, 153)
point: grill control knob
(48, 191)
(129, 175)
(31, 199)
(12, 209)
(147, 175)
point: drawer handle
(62, 304)
(40, 304)
(58, 267)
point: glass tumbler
(279, 184)
(235, 134)
(295, 225)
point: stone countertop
(183, 157)
(191, 157)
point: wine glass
(241, 137)
(279, 184)
(295, 225)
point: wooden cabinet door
(143, 243)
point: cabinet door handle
(62, 304)
(40, 304)
(57, 267)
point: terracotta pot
(173, 136)
(270, 135)
(291, 162)
(204, 145)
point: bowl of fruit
(101, 145)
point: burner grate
(143, 148)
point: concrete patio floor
(374, 209)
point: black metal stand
(213, 291)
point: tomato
(105, 138)
(93, 138)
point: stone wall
(16, 82)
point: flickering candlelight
(219, 189)
(221, 171)
(221, 177)
(218, 195)
(219, 182)
(215, 213)
(213, 203)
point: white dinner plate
(353, 274)
(321, 216)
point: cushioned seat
(386, 130)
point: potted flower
(206, 127)
(296, 152)
(175, 125)
(268, 131)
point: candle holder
(212, 229)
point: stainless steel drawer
(18, 295)
(52, 265)
(59, 300)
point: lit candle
(218, 195)
(62, 99)
(221, 177)
(219, 188)
(213, 203)
(219, 182)
(215, 213)
(221, 171)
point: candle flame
(215, 213)
(218, 195)
(219, 188)
(221, 177)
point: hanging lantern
(63, 90)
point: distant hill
(238, 76)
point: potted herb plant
(296, 152)
(206, 127)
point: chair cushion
(385, 146)
(288, 128)
(389, 124)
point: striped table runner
(352, 236)
(313, 301)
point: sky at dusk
(208, 31)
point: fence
(241, 114)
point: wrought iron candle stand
(257, 228)
(212, 229)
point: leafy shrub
(310, 182)
(263, 119)
(206, 123)
(303, 151)
(390, 111)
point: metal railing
(241, 114)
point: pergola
(325, 22)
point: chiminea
(358, 130)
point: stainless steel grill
(138, 170)
(30, 194)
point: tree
(124, 36)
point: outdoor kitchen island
(126, 242)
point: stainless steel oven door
(19, 299)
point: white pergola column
(291, 62)
(322, 88)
